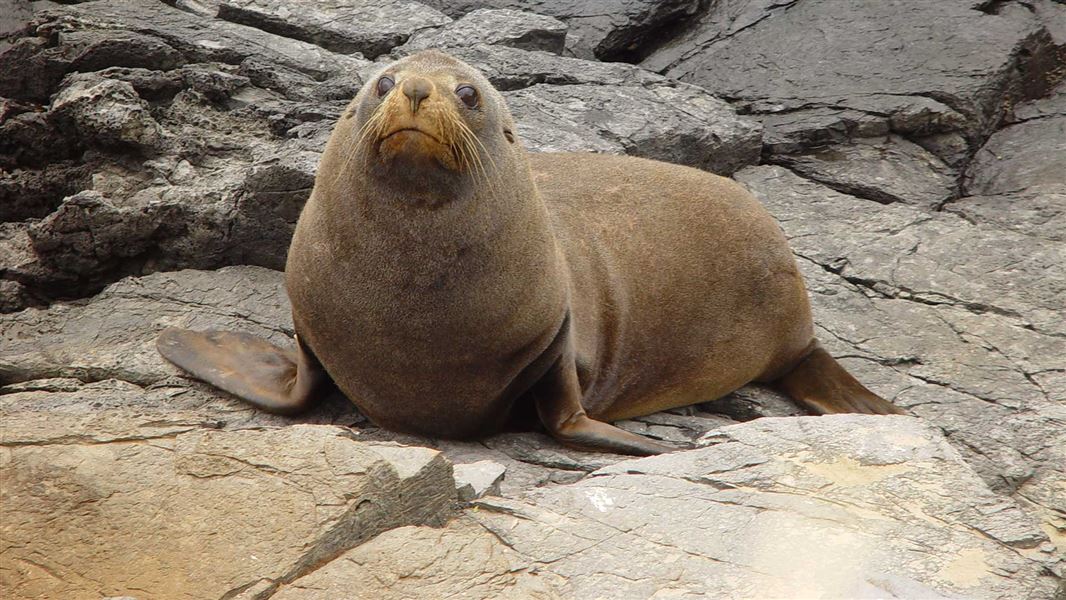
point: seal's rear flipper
(822, 386)
(275, 380)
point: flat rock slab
(369, 27)
(605, 29)
(886, 170)
(112, 336)
(461, 561)
(682, 125)
(822, 74)
(843, 506)
(259, 507)
(504, 27)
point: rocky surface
(155, 155)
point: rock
(523, 30)
(988, 376)
(1023, 156)
(421, 562)
(369, 27)
(609, 30)
(112, 518)
(1040, 214)
(897, 251)
(15, 16)
(512, 69)
(112, 336)
(945, 68)
(479, 479)
(106, 112)
(807, 506)
(885, 170)
(682, 125)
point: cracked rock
(112, 519)
(682, 125)
(605, 29)
(523, 30)
(885, 170)
(780, 507)
(369, 27)
(421, 562)
(821, 75)
(478, 479)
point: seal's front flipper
(822, 386)
(275, 380)
(558, 399)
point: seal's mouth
(411, 130)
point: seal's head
(430, 123)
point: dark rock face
(154, 157)
(608, 30)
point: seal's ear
(507, 133)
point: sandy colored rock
(137, 518)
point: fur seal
(444, 279)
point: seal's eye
(384, 85)
(468, 95)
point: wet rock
(783, 506)
(369, 27)
(517, 29)
(420, 562)
(854, 81)
(479, 479)
(608, 30)
(682, 125)
(885, 170)
(108, 519)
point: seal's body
(445, 278)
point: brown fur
(441, 275)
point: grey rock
(885, 170)
(683, 125)
(294, 498)
(807, 506)
(946, 67)
(898, 251)
(1022, 156)
(1041, 214)
(478, 479)
(512, 68)
(988, 376)
(369, 27)
(514, 28)
(106, 112)
(15, 16)
(608, 30)
(112, 336)
(461, 560)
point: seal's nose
(417, 89)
